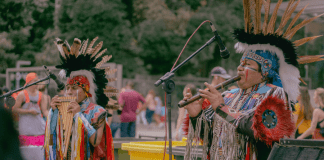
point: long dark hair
(9, 142)
(305, 104)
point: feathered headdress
(83, 60)
(272, 48)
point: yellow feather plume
(294, 20)
(104, 60)
(310, 59)
(96, 49)
(90, 45)
(84, 47)
(286, 16)
(266, 16)
(293, 31)
(273, 19)
(305, 40)
(75, 47)
(59, 45)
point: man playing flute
(86, 80)
(245, 123)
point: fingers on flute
(204, 92)
(56, 103)
(210, 87)
(204, 95)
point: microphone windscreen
(10, 102)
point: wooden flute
(183, 103)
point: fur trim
(93, 86)
(289, 74)
(279, 42)
(284, 126)
(62, 74)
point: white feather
(90, 76)
(288, 73)
(62, 74)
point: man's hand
(33, 112)
(55, 102)
(74, 107)
(193, 108)
(215, 98)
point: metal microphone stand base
(169, 86)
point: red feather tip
(284, 126)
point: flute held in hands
(183, 103)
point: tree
(163, 29)
(6, 58)
(24, 23)
(104, 18)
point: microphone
(223, 50)
(60, 85)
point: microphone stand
(24, 87)
(168, 86)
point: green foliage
(162, 35)
(145, 36)
(24, 22)
(6, 58)
(104, 18)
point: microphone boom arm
(24, 87)
(169, 75)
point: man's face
(248, 70)
(75, 91)
(33, 81)
(218, 80)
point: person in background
(141, 115)
(191, 88)
(114, 121)
(303, 113)
(158, 111)
(318, 117)
(129, 101)
(151, 105)
(43, 88)
(219, 75)
(31, 107)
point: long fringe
(48, 135)
(193, 140)
(232, 142)
(59, 138)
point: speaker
(293, 149)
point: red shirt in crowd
(130, 99)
